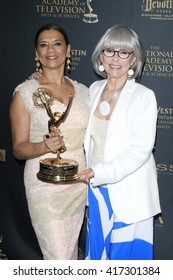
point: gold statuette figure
(90, 17)
(54, 170)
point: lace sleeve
(26, 90)
(82, 91)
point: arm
(20, 126)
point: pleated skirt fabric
(108, 238)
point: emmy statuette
(54, 170)
(90, 17)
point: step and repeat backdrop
(85, 21)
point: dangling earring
(101, 68)
(68, 62)
(130, 72)
(37, 64)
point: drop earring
(101, 68)
(37, 64)
(130, 72)
(68, 62)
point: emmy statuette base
(61, 170)
(90, 18)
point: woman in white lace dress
(56, 210)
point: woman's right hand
(86, 175)
(36, 75)
(53, 140)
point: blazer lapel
(120, 108)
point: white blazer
(129, 169)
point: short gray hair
(120, 36)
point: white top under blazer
(128, 168)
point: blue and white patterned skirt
(110, 239)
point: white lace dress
(56, 210)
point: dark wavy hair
(51, 26)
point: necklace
(105, 106)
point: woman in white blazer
(123, 193)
